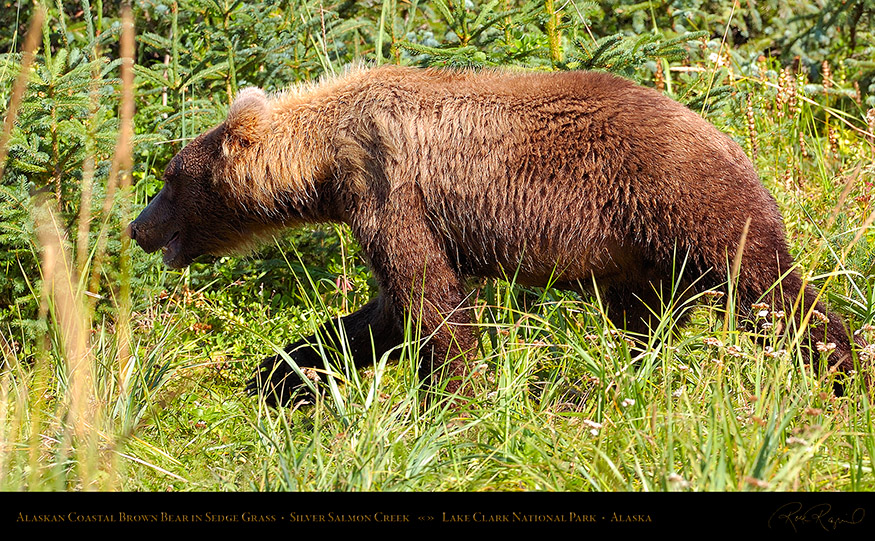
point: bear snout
(135, 232)
(144, 236)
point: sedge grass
(565, 400)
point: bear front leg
(417, 278)
(369, 333)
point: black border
(620, 513)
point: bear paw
(278, 383)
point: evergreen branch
(435, 51)
(200, 75)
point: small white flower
(711, 341)
(594, 426)
(825, 348)
(864, 328)
(772, 354)
(717, 59)
(676, 479)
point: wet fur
(575, 177)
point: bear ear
(248, 118)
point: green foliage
(193, 56)
(621, 54)
(566, 404)
(16, 233)
(67, 117)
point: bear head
(200, 210)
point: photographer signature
(818, 516)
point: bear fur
(574, 178)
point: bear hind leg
(638, 308)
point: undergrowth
(118, 374)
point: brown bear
(574, 178)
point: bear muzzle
(151, 240)
(147, 240)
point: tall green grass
(68, 411)
(146, 393)
(568, 402)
